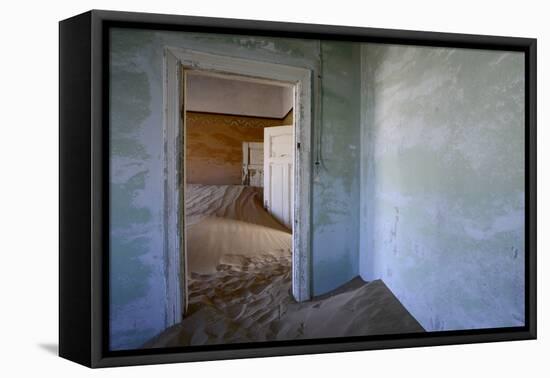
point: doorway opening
(238, 190)
(237, 186)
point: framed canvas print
(234, 188)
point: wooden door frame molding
(176, 61)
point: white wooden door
(253, 164)
(278, 173)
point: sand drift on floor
(239, 259)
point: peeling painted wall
(137, 271)
(336, 181)
(429, 142)
(442, 178)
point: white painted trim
(174, 264)
(244, 168)
(269, 162)
(258, 71)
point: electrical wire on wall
(319, 163)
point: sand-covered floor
(227, 220)
(239, 260)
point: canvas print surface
(270, 189)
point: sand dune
(230, 220)
(214, 238)
(240, 281)
(236, 202)
(248, 300)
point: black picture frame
(84, 199)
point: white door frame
(176, 62)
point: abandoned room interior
(267, 189)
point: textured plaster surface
(442, 177)
(336, 183)
(137, 264)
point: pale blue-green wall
(420, 181)
(442, 178)
(138, 286)
(336, 191)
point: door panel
(278, 166)
(281, 145)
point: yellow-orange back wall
(214, 145)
